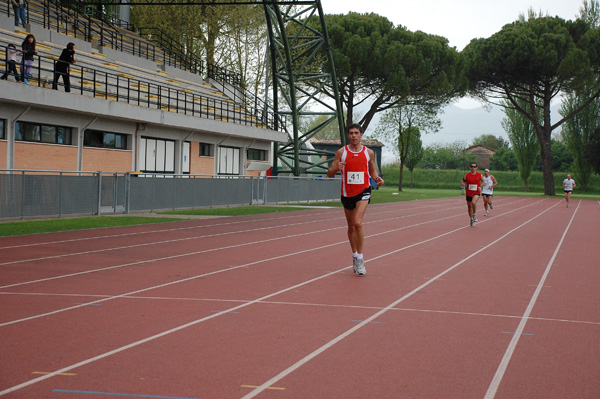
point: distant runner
(569, 185)
(472, 181)
(487, 190)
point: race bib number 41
(355, 178)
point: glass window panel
(235, 167)
(31, 132)
(109, 140)
(92, 138)
(121, 141)
(142, 155)
(160, 155)
(63, 135)
(170, 156)
(48, 134)
(186, 157)
(222, 160)
(150, 155)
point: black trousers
(12, 68)
(66, 80)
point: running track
(268, 306)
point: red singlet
(355, 176)
(473, 183)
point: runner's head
(354, 133)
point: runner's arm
(373, 170)
(336, 165)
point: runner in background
(487, 190)
(472, 181)
(356, 164)
(569, 185)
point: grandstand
(134, 105)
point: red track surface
(268, 306)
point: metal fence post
(127, 191)
(115, 189)
(99, 193)
(22, 195)
(60, 202)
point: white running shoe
(354, 263)
(472, 222)
(486, 213)
(360, 267)
(475, 218)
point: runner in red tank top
(473, 182)
(356, 163)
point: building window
(229, 161)
(207, 150)
(2, 129)
(97, 138)
(256, 155)
(37, 132)
(156, 155)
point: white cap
(487, 170)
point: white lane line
(264, 386)
(189, 253)
(213, 272)
(197, 276)
(340, 337)
(495, 383)
(150, 243)
(278, 218)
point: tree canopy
(531, 62)
(384, 64)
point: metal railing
(38, 193)
(121, 88)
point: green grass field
(386, 194)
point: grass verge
(383, 195)
(83, 223)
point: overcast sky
(457, 20)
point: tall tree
(577, 129)
(593, 150)
(523, 138)
(380, 65)
(398, 127)
(576, 132)
(415, 154)
(529, 63)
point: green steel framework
(293, 46)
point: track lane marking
(280, 217)
(258, 300)
(497, 379)
(378, 314)
(144, 244)
(216, 271)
